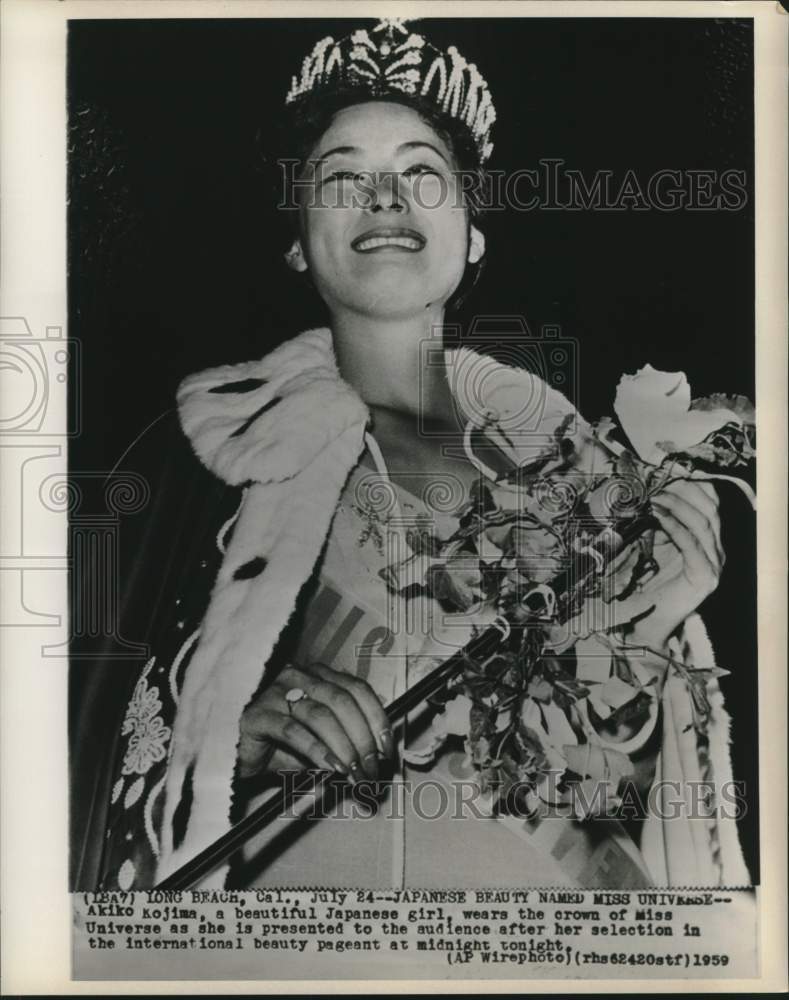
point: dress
(179, 764)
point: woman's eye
(421, 168)
(341, 175)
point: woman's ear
(476, 246)
(294, 258)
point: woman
(302, 642)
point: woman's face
(384, 231)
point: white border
(35, 906)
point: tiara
(391, 59)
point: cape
(292, 430)
(285, 432)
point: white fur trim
(298, 456)
(287, 524)
(315, 407)
(682, 852)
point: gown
(282, 522)
(428, 827)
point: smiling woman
(349, 458)
(386, 231)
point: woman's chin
(397, 292)
(396, 305)
(392, 299)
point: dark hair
(303, 123)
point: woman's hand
(339, 726)
(690, 557)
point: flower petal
(654, 409)
(134, 792)
(645, 403)
(456, 716)
(126, 875)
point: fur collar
(247, 422)
(265, 421)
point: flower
(147, 733)
(458, 581)
(146, 747)
(654, 409)
(538, 553)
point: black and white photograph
(408, 378)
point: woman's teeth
(402, 242)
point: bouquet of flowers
(555, 545)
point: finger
(701, 495)
(692, 520)
(697, 566)
(368, 702)
(322, 721)
(705, 499)
(715, 520)
(318, 710)
(267, 725)
(352, 719)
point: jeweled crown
(390, 59)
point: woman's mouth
(407, 240)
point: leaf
(538, 553)
(421, 756)
(592, 761)
(616, 692)
(604, 431)
(593, 798)
(422, 542)
(540, 690)
(549, 788)
(728, 447)
(502, 721)
(599, 706)
(741, 406)
(708, 672)
(631, 710)
(621, 573)
(571, 688)
(457, 582)
(409, 572)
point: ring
(294, 696)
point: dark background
(175, 259)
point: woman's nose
(385, 194)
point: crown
(390, 59)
